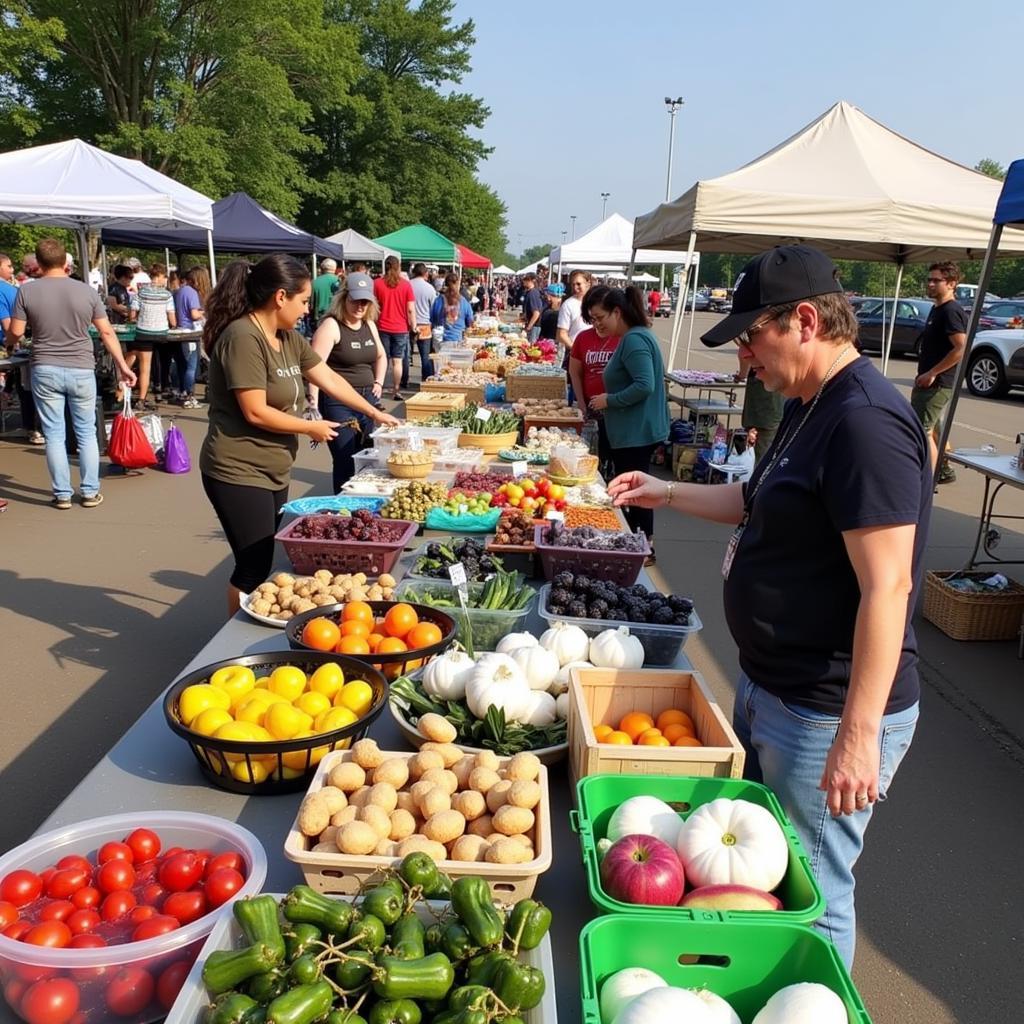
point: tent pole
(103, 267)
(693, 304)
(83, 253)
(209, 253)
(167, 259)
(887, 345)
(677, 326)
(632, 264)
(972, 329)
(314, 264)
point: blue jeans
(52, 387)
(353, 434)
(191, 365)
(533, 334)
(786, 746)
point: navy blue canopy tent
(240, 225)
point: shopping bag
(153, 428)
(129, 447)
(176, 457)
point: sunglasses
(936, 280)
(745, 337)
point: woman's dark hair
(243, 287)
(593, 297)
(451, 281)
(629, 302)
(392, 271)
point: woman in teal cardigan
(633, 405)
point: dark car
(911, 316)
(1000, 313)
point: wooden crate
(427, 404)
(599, 695)
(519, 385)
(470, 392)
(562, 422)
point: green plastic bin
(597, 796)
(745, 963)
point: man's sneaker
(34, 437)
(91, 500)
(190, 403)
(61, 503)
(947, 474)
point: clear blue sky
(576, 91)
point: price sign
(457, 574)
(520, 468)
(414, 441)
(500, 350)
(483, 414)
(463, 509)
(556, 516)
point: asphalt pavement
(100, 609)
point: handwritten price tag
(414, 442)
(555, 516)
(457, 574)
(463, 509)
(520, 469)
(483, 414)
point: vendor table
(998, 471)
(150, 768)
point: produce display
(407, 457)
(474, 481)
(358, 632)
(389, 958)
(531, 495)
(360, 525)
(581, 597)
(499, 422)
(592, 517)
(463, 378)
(543, 439)
(460, 503)
(593, 494)
(414, 500)
(438, 558)
(572, 463)
(672, 728)
(540, 369)
(518, 453)
(285, 596)
(515, 528)
(589, 538)
(545, 408)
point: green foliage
(992, 168)
(534, 253)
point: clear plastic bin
(460, 458)
(661, 644)
(438, 439)
(369, 458)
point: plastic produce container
(387, 439)
(460, 458)
(622, 567)
(19, 960)
(744, 963)
(370, 458)
(340, 556)
(661, 644)
(599, 795)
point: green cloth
(761, 408)
(324, 287)
(236, 452)
(419, 242)
(637, 413)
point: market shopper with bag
(258, 365)
(820, 570)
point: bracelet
(669, 491)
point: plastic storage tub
(661, 644)
(622, 567)
(175, 828)
(599, 795)
(460, 458)
(744, 963)
(340, 556)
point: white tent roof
(846, 184)
(502, 271)
(610, 242)
(530, 269)
(358, 247)
(74, 185)
(645, 278)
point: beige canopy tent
(846, 184)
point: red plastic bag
(129, 447)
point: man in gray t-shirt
(59, 311)
(424, 296)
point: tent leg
(167, 259)
(209, 253)
(83, 253)
(693, 309)
(103, 267)
(887, 341)
(677, 326)
(632, 264)
(314, 264)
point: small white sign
(457, 574)
(483, 414)
(556, 515)
(463, 508)
(520, 468)
(414, 442)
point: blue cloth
(53, 387)
(634, 383)
(310, 506)
(464, 319)
(8, 293)
(186, 298)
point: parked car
(965, 294)
(665, 305)
(911, 316)
(996, 363)
(999, 313)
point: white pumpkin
(497, 681)
(541, 709)
(622, 986)
(445, 677)
(616, 648)
(727, 842)
(721, 1011)
(805, 1003)
(568, 642)
(645, 816)
(561, 683)
(664, 1005)
(540, 666)
(507, 644)
(562, 706)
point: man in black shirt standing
(942, 347)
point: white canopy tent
(644, 278)
(846, 184)
(530, 268)
(74, 185)
(360, 249)
(502, 271)
(611, 242)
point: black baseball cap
(788, 273)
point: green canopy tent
(418, 242)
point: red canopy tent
(468, 258)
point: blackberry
(560, 596)
(564, 579)
(577, 609)
(663, 616)
(598, 608)
(681, 619)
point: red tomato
(88, 898)
(144, 844)
(141, 913)
(146, 871)
(154, 894)
(82, 921)
(45, 876)
(87, 940)
(115, 851)
(185, 906)
(169, 983)
(161, 924)
(73, 860)
(17, 930)
(231, 859)
(8, 914)
(56, 910)
(50, 1002)
(55, 934)
(13, 991)
(114, 875)
(222, 885)
(180, 872)
(117, 905)
(130, 991)
(21, 887)
(67, 881)
(174, 851)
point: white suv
(996, 363)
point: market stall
(360, 249)
(418, 242)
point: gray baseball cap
(360, 287)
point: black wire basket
(278, 766)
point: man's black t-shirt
(549, 324)
(533, 302)
(119, 294)
(791, 597)
(949, 318)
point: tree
(535, 253)
(992, 168)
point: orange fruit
(653, 739)
(687, 741)
(352, 645)
(618, 737)
(374, 640)
(674, 731)
(423, 635)
(400, 620)
(392, 645)
(355, 627)
(321, 634)
(649, 733)
(602, 732)
(673, 717)
(357, 611)
(634, 723)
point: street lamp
(572, 217)
(604, 203)
(564, 233)
(672, 105)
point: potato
(403, 824)
(359, 577)
(325, 848)
(524, 841)
(314, 815)
(524, 793)
(462, 769)
(436, 728)
(449, 752)
(469, 804)
(419, 843)
(423, 762)
(360, 797)
(488, 759)
(406, 802)
(417, 789)
(497, 795)
(334, 798)
(482, 779)
(506, 851)
(324, 575)
(367, 754)
(469, 848)
(524, 766)
(386, 848)
(395, 771)
(377, 818)
(386, 579)
(433, 801)
(511, 821)
(344, 816)
(482, 826)
(283, 579)
(347, 776)
(357, 838)
(445, 827)
(442, 777)
(328, 834)
(383, 794)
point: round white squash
(665, 1006)
(513, 641)
(721, 1012)
(622, 986)
(805, 1003)
(645, 816)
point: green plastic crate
(597, 796)
(744, 963)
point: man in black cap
(821, 566)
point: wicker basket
(406, 472)
(995, 616)
(490, 444)
(529, 385)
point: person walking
(451, 310)
(588, 357)
(325, 286)
(826, 553)
(156, 317)
(397, 321)
(423, 297)
(188, 309)
(533, 306)
(258, 362)
(59, 311)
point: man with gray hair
(325, 284)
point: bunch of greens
(500, 422)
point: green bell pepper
(432, 938)
(370, 931)
(303, 1004)
(345, 1017)
(518, 986)
(474, 905)
(257, 917)
(229, 1008)
(468, 997)
(395, 1011)
(300, 939)
(456, 942)
(441, 891)
(265, 987)
(420, 869)
(527, 924)
(305, 970)
(384, 904)
(408, 937)
(304, 905)
(481, 969)
(429, 977)
(226, 969)
(354, 971)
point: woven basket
(406, 472)
(963, 616)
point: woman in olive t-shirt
(257, 396)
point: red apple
(730, 897)
(643, 869)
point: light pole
(604, 203)
(672, 105)
(572, 217)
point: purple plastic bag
(176, 457)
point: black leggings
(168, 353)
(624, 460)
(250, 516)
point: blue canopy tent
(1009, 212)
